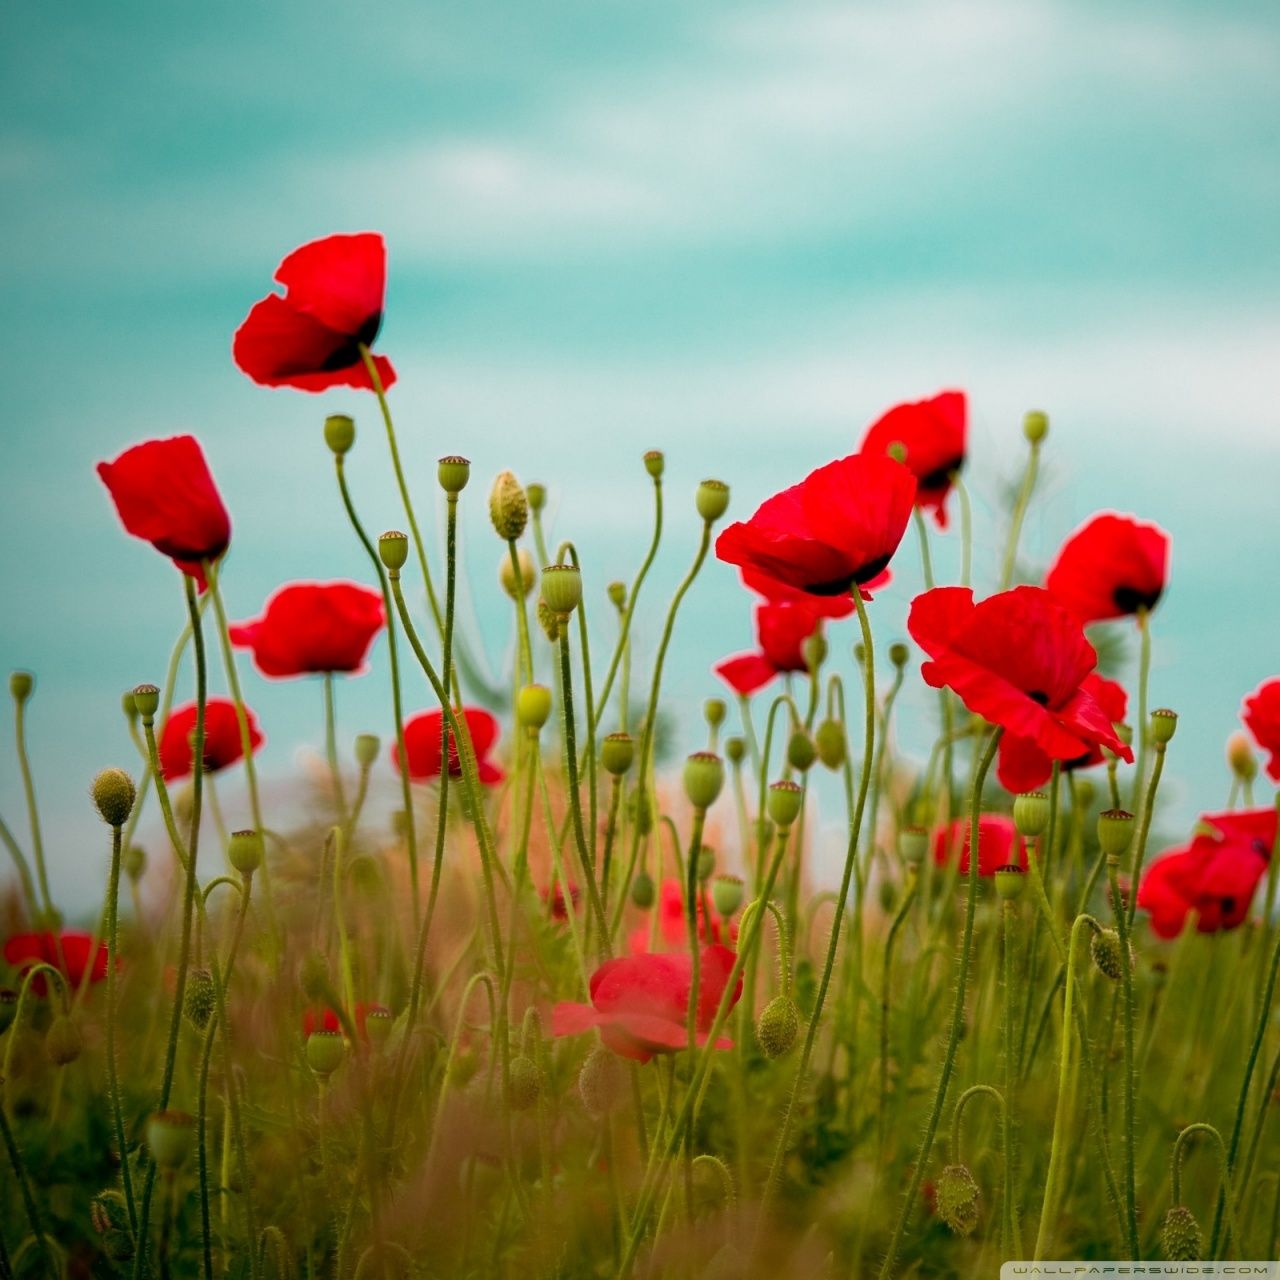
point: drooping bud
(703, 778)
(536, 496)
(199, 998)
(1035, 426)
(655, 463)
(727, 893)
(524, 1083)
(393, 550)
(171, 1135)
(1115, 831)
(63, 1041)
(1108, 954)
(453, 472)
(617, 593)
(244, 851)
(113, 796)
(736, 749)
(829, 740)
(913, 844)
(617, 751)
(601, 1082)
(1031, 813)
(339, 433)
(899, 654)
(712, 500)
(642, 892)
(507, 574)
(508, 507)
(801, 753)
(714, 711)
(784, 802)
(957, 1199)
(1163, 724)
(562, 588)
(1244, 764)
(1180, 1236)
(366, 749)
(533, 706)
(146, 697)
(1011, 881)
(778, 1027)
(325, 1052)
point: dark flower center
(1130, 599)
(940, 477)
(348, 352)
(843, 585)
(1036, 696)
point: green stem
(1130, 1073)
(1019, 514)
(331, 748)
(28, 1200)
(33, 812)
(113, 1076)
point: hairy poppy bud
(814, 650)
(536, 496)
(655, 463)
(533, 706)
(829, 741)
(548, 620)
(727, 893)
(113, 795)
(1244, 764)
(199, 998)
(171, 1135)
(366, 749)
(63, 1041)
(706, 863)
(1108, 954)
(524, 1083)
(712, 500)
(21, 683)
(617, 592)
(642, 892)
(134, 862)
(601, 1082)
(801, 752)
(1035, 426)
(1011, 880)
(339, 433)
(783, 803)
(453, 472)
(714, 711)
(507, 574)
(146, 697)
(393, 550)
(562, 588)
(703, 778)
(1031, 813)
(244, 851)
(736, 749)
(899, 654)
(1163, 724)
(1115, 831)
(913, 844)
(313, 977)
(778, 1027)
(1180, 1236)
(109, 1214)
(957, 1198)
(508, 507)
(378, 1022)
(325, 1052)
(617, 751)
(8, 1008)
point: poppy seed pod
(524, 1083)
(199, 998)
(1035, 426)
(244, 851)
(393, 550)
(1108, 954)
(134, 862)
(378, 1022)
(366, 749)
(783, 803)
(601, 1082)
(801, 752)
(339, 433)
(642, 891)
(1180, 1236)
(507, 574)
(957, 1198)
(828, 738)
(617, 592)
(21, 683)
(736, 749)
(536, 496)
(63, 1041)
(170, 1136)
(703, 778)
(1163, 724)
(1115, 831)
(1031, 813)
(508, 507)
(562, 588)
(778, 1027)
(714, 712)
(146, 697)
(1011, 880)
(325, 1052)
(617, 751)
(533, 706)
(712, 500)
(655, 463)
(453, 472)
(727, 893)
(1244, 764)
(113, 796)
(913, 844)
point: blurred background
(735, 232)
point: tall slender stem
(33, 811)
(113, 1076)
(331, 748)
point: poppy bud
(703, 778)
(736, 749)
(1035, 426)
(199, 998)
(113, 795)
(244, 851)
(640, 807)
(170, 1135)
(1011, 880)
(339, 433)
(601, 1080)
(714, 710)
(829, 740)
(128, 706)
(508, 507)
(8, 1008)
(463, 1069)
(617, 751)
(21, 684)
(313, 977)
(1180, 1236)
(778, 1027)
(366, 749)
(536, 496)
(146, 697)
(378, 1022)
(899, 654)
(1163, 724)
(1240, 757)
(1107, 953)
(393, 550)
(453, 472)
(1115, 831)
(655, 463)
(784, 802)
(109, 1216)
(957, 1199)
(524, 1083)
(1031, 813)
(801, 752)
(888, 896)
(727, 893)
(913, 844)
(533, 706)
(617, 592)
(814, 651)
(507, 574)
(712, 500)
(1125, 733)
(63, 1041)
(325, 1052)
(548, 620)
(562, 588)
(134, 862)
(706, 863)
(642, 893)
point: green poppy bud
(524, 1083)
(642, 891)
(393, 550)
(366, 749)
(562, 588)
(536, 496)
(463, 1069)
(913, 844)
(801, 753)
(128, 706)
(339, 433)
(533, 706)
(703, 778)
(601, 1082)
(199, 998)
(134, 862)
(325, 1052)
(508, 507)
(727, 893)
(617, 592)
(1163, 724)
(113, 796)
(957, 1199)
(171, 1136)
(899, 654)
(814, 651)
(778, 1027)
(714, 711)
(1031, 813)
(829, 741)
(21, 683)
(1244, 764)
(63, 1041)
(640, 807)
(244, 851)
(706, 863)
(736, 749)
(1180, 1236)
(146, 697)
(655, 463)
(453, 472)
(1115, 831)
(783, 803)
(1011, 881)
(617, 751)
(507, 574)
(1108, 954)
(1035, 426)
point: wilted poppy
(781, 630)
(72, 954)
(999, 844)
(422, 743)
(837, 529)
(1261, 716)
(310, 627)
(222, 746)
(641, 1003)
(673, 929)
(932, 435)
(165, 495)
(1019, 660)
(1112, 566)
(332, 306)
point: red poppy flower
(558, 902)
(319, 1018)
(422, 742)
(1022, 766)
(933, 434)
(221, 738)
(837, 529)
(332, 305)
(165, 495)
(1112, 566)
(782, 630)
(1261, 716)
(672, 927)
(999, 844)
(72, 954)
(641, 1003)
(1019, 660)
(776, 592)
(309, 627)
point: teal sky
(736, 232)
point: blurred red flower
(164, 494)
(1261, 716)
(933, 434)
(672, 928)
(999, 844)
(310, 627)
(422, 743)
(26, 949)
(837, 529)
(781, 630)
(1019, 660)
(641, 1003)
(1112, 566)
(1022, 766)
(332, 305)
(319, 1018)
(557, 901)
(222, 745)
